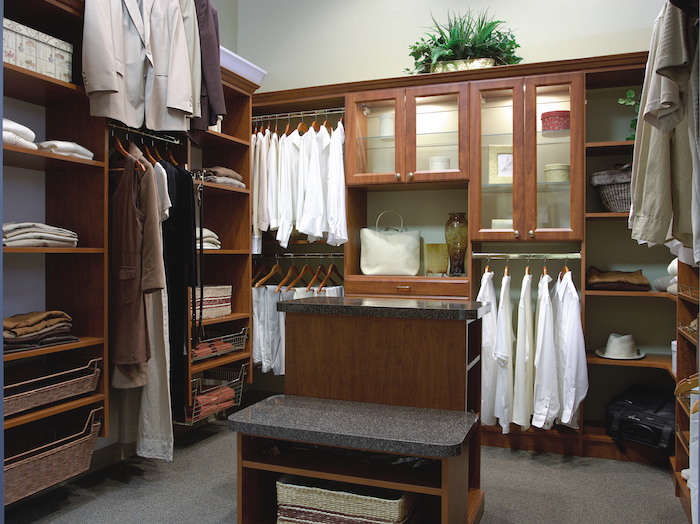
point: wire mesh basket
(215, 391)
(49, 383)
(220, 345)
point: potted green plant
(632, 100)
(473, 41)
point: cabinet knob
(516, 233)
(531, 233)
(398, 176)
(410, 176)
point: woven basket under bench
(301, 500)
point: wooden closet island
(368, 378)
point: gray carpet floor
(199, 486)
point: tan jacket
(136, 68)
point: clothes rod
(303, 255)
(163, 138)
(528, 256)
(300, 114)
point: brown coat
(136, 260)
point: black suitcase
(644, 415)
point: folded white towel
(8, 137)
(43, 235)
(18, 129)
(206, 232)
(209, 245)
(62, 147)
(39, 242)
(15, 228)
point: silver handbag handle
(376, 225)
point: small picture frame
(500, 164)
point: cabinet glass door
(435, 134)
(496, 159)
(554, 160)
(376, 137)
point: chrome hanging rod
(530, 256)
(303, 255)
(163, 138)
(299, 114)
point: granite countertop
(387, 307)
(359, 425)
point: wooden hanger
(566, 268)
(332, 270)
(260, 271)
(505, 271)
(306, 270)
(321, 270)
(149, 156)
(316, 126)
(696, 406)
(276, 270)
(686, 384)
(527, 268)
(544, 266)
(287, 129)
(120, 148)
(302, 127)
(171, 157)
(292, 272)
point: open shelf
(27, 353)
(60, 407)
(215, 362)
(649, 361)
(16, 156)
(36, 88)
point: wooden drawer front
(358, 285)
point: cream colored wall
(316, 42)
(228, 23)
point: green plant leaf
(630, 93)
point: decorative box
(217, 301)
(557, 172)
(36, 51)
(555, 123)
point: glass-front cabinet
(399, 136)
(526, 158)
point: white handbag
(389, 251)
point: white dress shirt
(503, 355)
(524, 357)
(489, 368)
(546, 398)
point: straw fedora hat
(622, 347)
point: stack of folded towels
(16, 134)
(37, 329)
(36, 234)
(213, 401)
(19, 135)
(210, 240)
(211, 347)
(223, 175)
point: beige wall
(304, 43)
(228, 23)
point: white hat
(620, 347)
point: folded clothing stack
(16, 134)
(211, 348)
(64, 148)
(616, 280)
(213, 401)
(37, 329)
(223, 175)
(210, 240)
(36, 234)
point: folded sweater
(18, 129)
(65, 148)
(8, 137)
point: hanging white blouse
(286, 197)
(272, 183)
(335, 207)
(503, 355)
(546, 397)
(571, 351)
(308, 167)
(264, 145)
(523, 387)
(311, 195)
(487, 295)
(254, 192)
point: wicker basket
(614, 189)
(51, 386)
(217, 301)
(298, 501)
(46, 465)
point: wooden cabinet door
(436, 133)
(376, 137)
(554, 157)
(496, 160)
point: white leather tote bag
(389, 251)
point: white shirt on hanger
(272, 182)
(286, 197)
(254, 192)
(487, 295)
(335, 206)
(523, 388)
(571, 351)
(503, 355)
(546, 398)
(264, 145)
